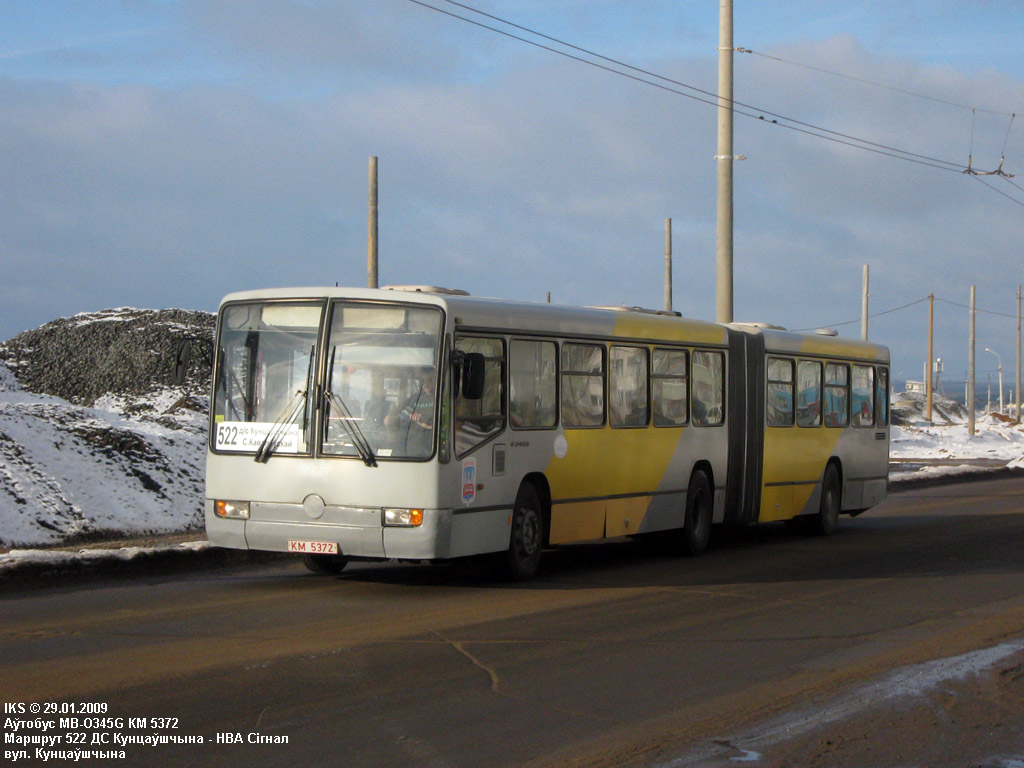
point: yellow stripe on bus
(795, 456)
(607, 462)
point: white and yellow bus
(426, 424)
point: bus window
(863, 396)
(779, 399)
(668, 388)
(477, 421)
(627, 387)
(532, 386)
(708, 388)
(882, 397)
(808, 398)
(582, 385)
(837, 395)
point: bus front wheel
(325, 565)
(527, 535)
(699, 508)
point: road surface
(899, 641)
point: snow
(117, 467)
(61, 557)
(920, 449)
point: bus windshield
(381, 381)
(266, 354)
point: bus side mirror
(181, 357)
(473, 376)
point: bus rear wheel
(325, 565)
(827, 519)
(527, 536)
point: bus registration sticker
(468, 480)
(313, 547)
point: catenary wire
(712, 98)
(873, 83)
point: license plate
(314, 547)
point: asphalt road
(777, 647)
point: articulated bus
(423, 424)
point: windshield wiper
(348, 422)
(298, 401)
(273, 438)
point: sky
(163, 154)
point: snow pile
(58, 558)
(121, 450)
(997, 442)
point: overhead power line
(907, 306)
(617, 67)
(876, 314)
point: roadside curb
(970, 474)
(42, 568)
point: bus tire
(827, 519)
(526, 541)
(699, 508)
(325, 565)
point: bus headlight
(236, 510)
(409, 518)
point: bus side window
(582, 385)
(531, 384)
(863, 400)
(808, 388)
(668, 388)
(779, 403)
(708, 377)
(882, 397)
(837, 395)
(476, 421)
(627, 387)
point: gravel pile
(116, 351)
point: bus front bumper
(358, 531)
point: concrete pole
(864, 306)
(1000, 386)
(668, 265)
(931, 358)
(970, 373)
(1017, 412)
(371, 257)
(724, 158)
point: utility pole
(371, 257)
(724, 158)
(1017, 412)
(931, 352)
(1000, 359)
(668, 265)
(864, 307)
(970, 374)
